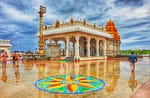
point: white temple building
(81, 40)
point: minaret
(41, 49)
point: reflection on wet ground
(17, 80)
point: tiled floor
(18, 82)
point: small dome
(57, 24)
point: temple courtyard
(121, 82)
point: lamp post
(41, 48)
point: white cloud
(126, 12)
(134, 39)
(13, 14)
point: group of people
(15, 58)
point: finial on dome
(84, 22)
(94, 25)
(71, 21)
(57, 24)
(110, 19)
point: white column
(73, 49)
(77, 57)
(88, 46)
(97, 47)
(118, 48)
(114, 48)
(105, 48)
(67, 46)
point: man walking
(132, 59)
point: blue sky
(19, 19)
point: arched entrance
(93, 47)
(62, 48)
(82, 46)
(101, 48)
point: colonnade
(88, 51)
(85, 46)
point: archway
(62, 47)
(82, 46)
(101, 48)
(93, 47)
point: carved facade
(84, 41)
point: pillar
(77, 57)
(67, 46)
(97, 47)
(113, 49)
(116, 48)
(88, 46)
(73, 48)
(105, 48)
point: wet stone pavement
(121, 82)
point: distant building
(5, 45)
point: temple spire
(111, 28)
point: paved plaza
(121, 82)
